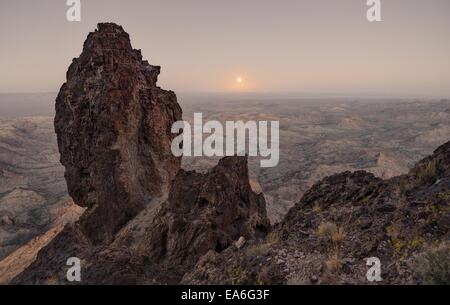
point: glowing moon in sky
(239, 79)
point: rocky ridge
(344, 219)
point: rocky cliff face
(206, 212)
(113, 126)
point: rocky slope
(33, 196)
(21, 258)
(344, 219)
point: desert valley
(318, 137)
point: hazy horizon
(295, 47)
(14, 105)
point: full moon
(239, 79)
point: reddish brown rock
(344, 219)
(113, 126)
(206, 212)
(99, 264)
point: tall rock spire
(114, 132)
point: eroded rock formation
(206, 212)
(113, 126)
(146, 221)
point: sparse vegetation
(334, 263)
(258, 250)
(427, 174)
(331, 231)
(262, 249)
(394, 234)
(327, 229)
(317, 208)
(237, 275)
(444, 196)
(433, 265)
(416, 242)
(272, 238)
(336, 237)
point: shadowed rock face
(113, 126)
(206, 212)
(101, 264)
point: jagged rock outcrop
(114, 132)
(206, 212)
(344, 219)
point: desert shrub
(433, 265)
(416, 242)
(237, 275)
(273, 238)
(394, 235)
(327, 229)
(331, 231)
(338, 236)
(317, 208)
(428, 174)
(335, 235)
(334, 263)
(258, 250)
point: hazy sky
(311, 46)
